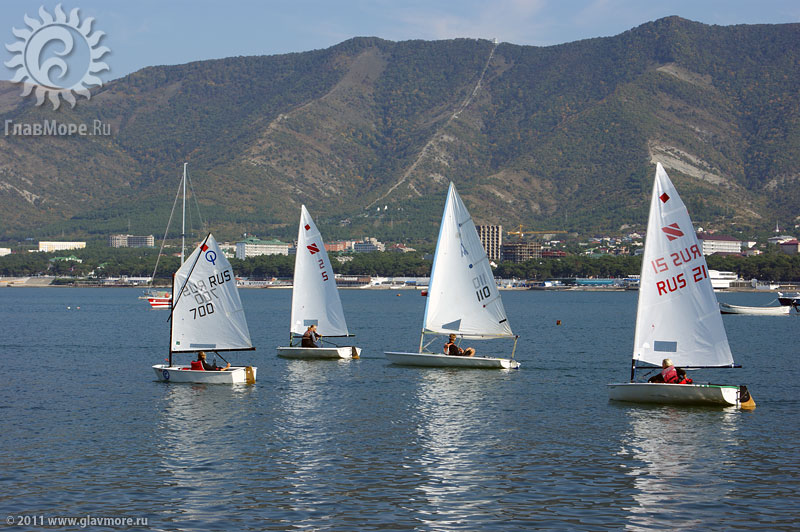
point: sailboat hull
(319, 353)
(725, 308)
(677, 394)
(434, 360)
(234, 375)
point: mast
(171, 307)
(183, 220)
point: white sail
(315, 298)
(207, 312)
(463, 297)
(678, 315)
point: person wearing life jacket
(682, 378)
(450, 348)
(669, 373)
(201, 363)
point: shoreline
(46, 282)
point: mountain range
(368, 134)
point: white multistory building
(48, 247)
(252, 247)
(719, 244)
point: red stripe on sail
(672, 231)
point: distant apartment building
(790, 247)
(131, 241)
(368, 245)
(338, 246)
(253, 247)
(48, 247)
(229, 250)
(719, 244)
(779, 239)
(492, 239)
(520, 251)
(553, 253)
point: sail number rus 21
(680, 258)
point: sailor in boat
(201, 363)
(669, 374)
(682, 378)
(450, 348)
(310, 337)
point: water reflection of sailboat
(679, 465)
(195, 450)
(307, 435)
(450, 405)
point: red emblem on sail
(204, 247)
(308, 227)
(313, 248)
(664, 197)
(672, 231)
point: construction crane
(520, 233)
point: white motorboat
(463, 298)
(678, 316)
(207, 316)
(315, 299)
(782, 310)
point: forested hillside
(368, 134)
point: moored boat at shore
(781, 310)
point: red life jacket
(197, 365)
(670, 375)
(686, 380)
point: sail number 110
(482, 290)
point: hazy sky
(142, 33)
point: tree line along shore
(102, 263)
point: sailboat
(162, 299)
(678, 316)
(463, 298)
(207, 315)
(315, 298)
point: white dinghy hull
(680, 394)
(319, 353)
(234, 375)
(725, 308)
(434, 360)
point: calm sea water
(364, 445)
